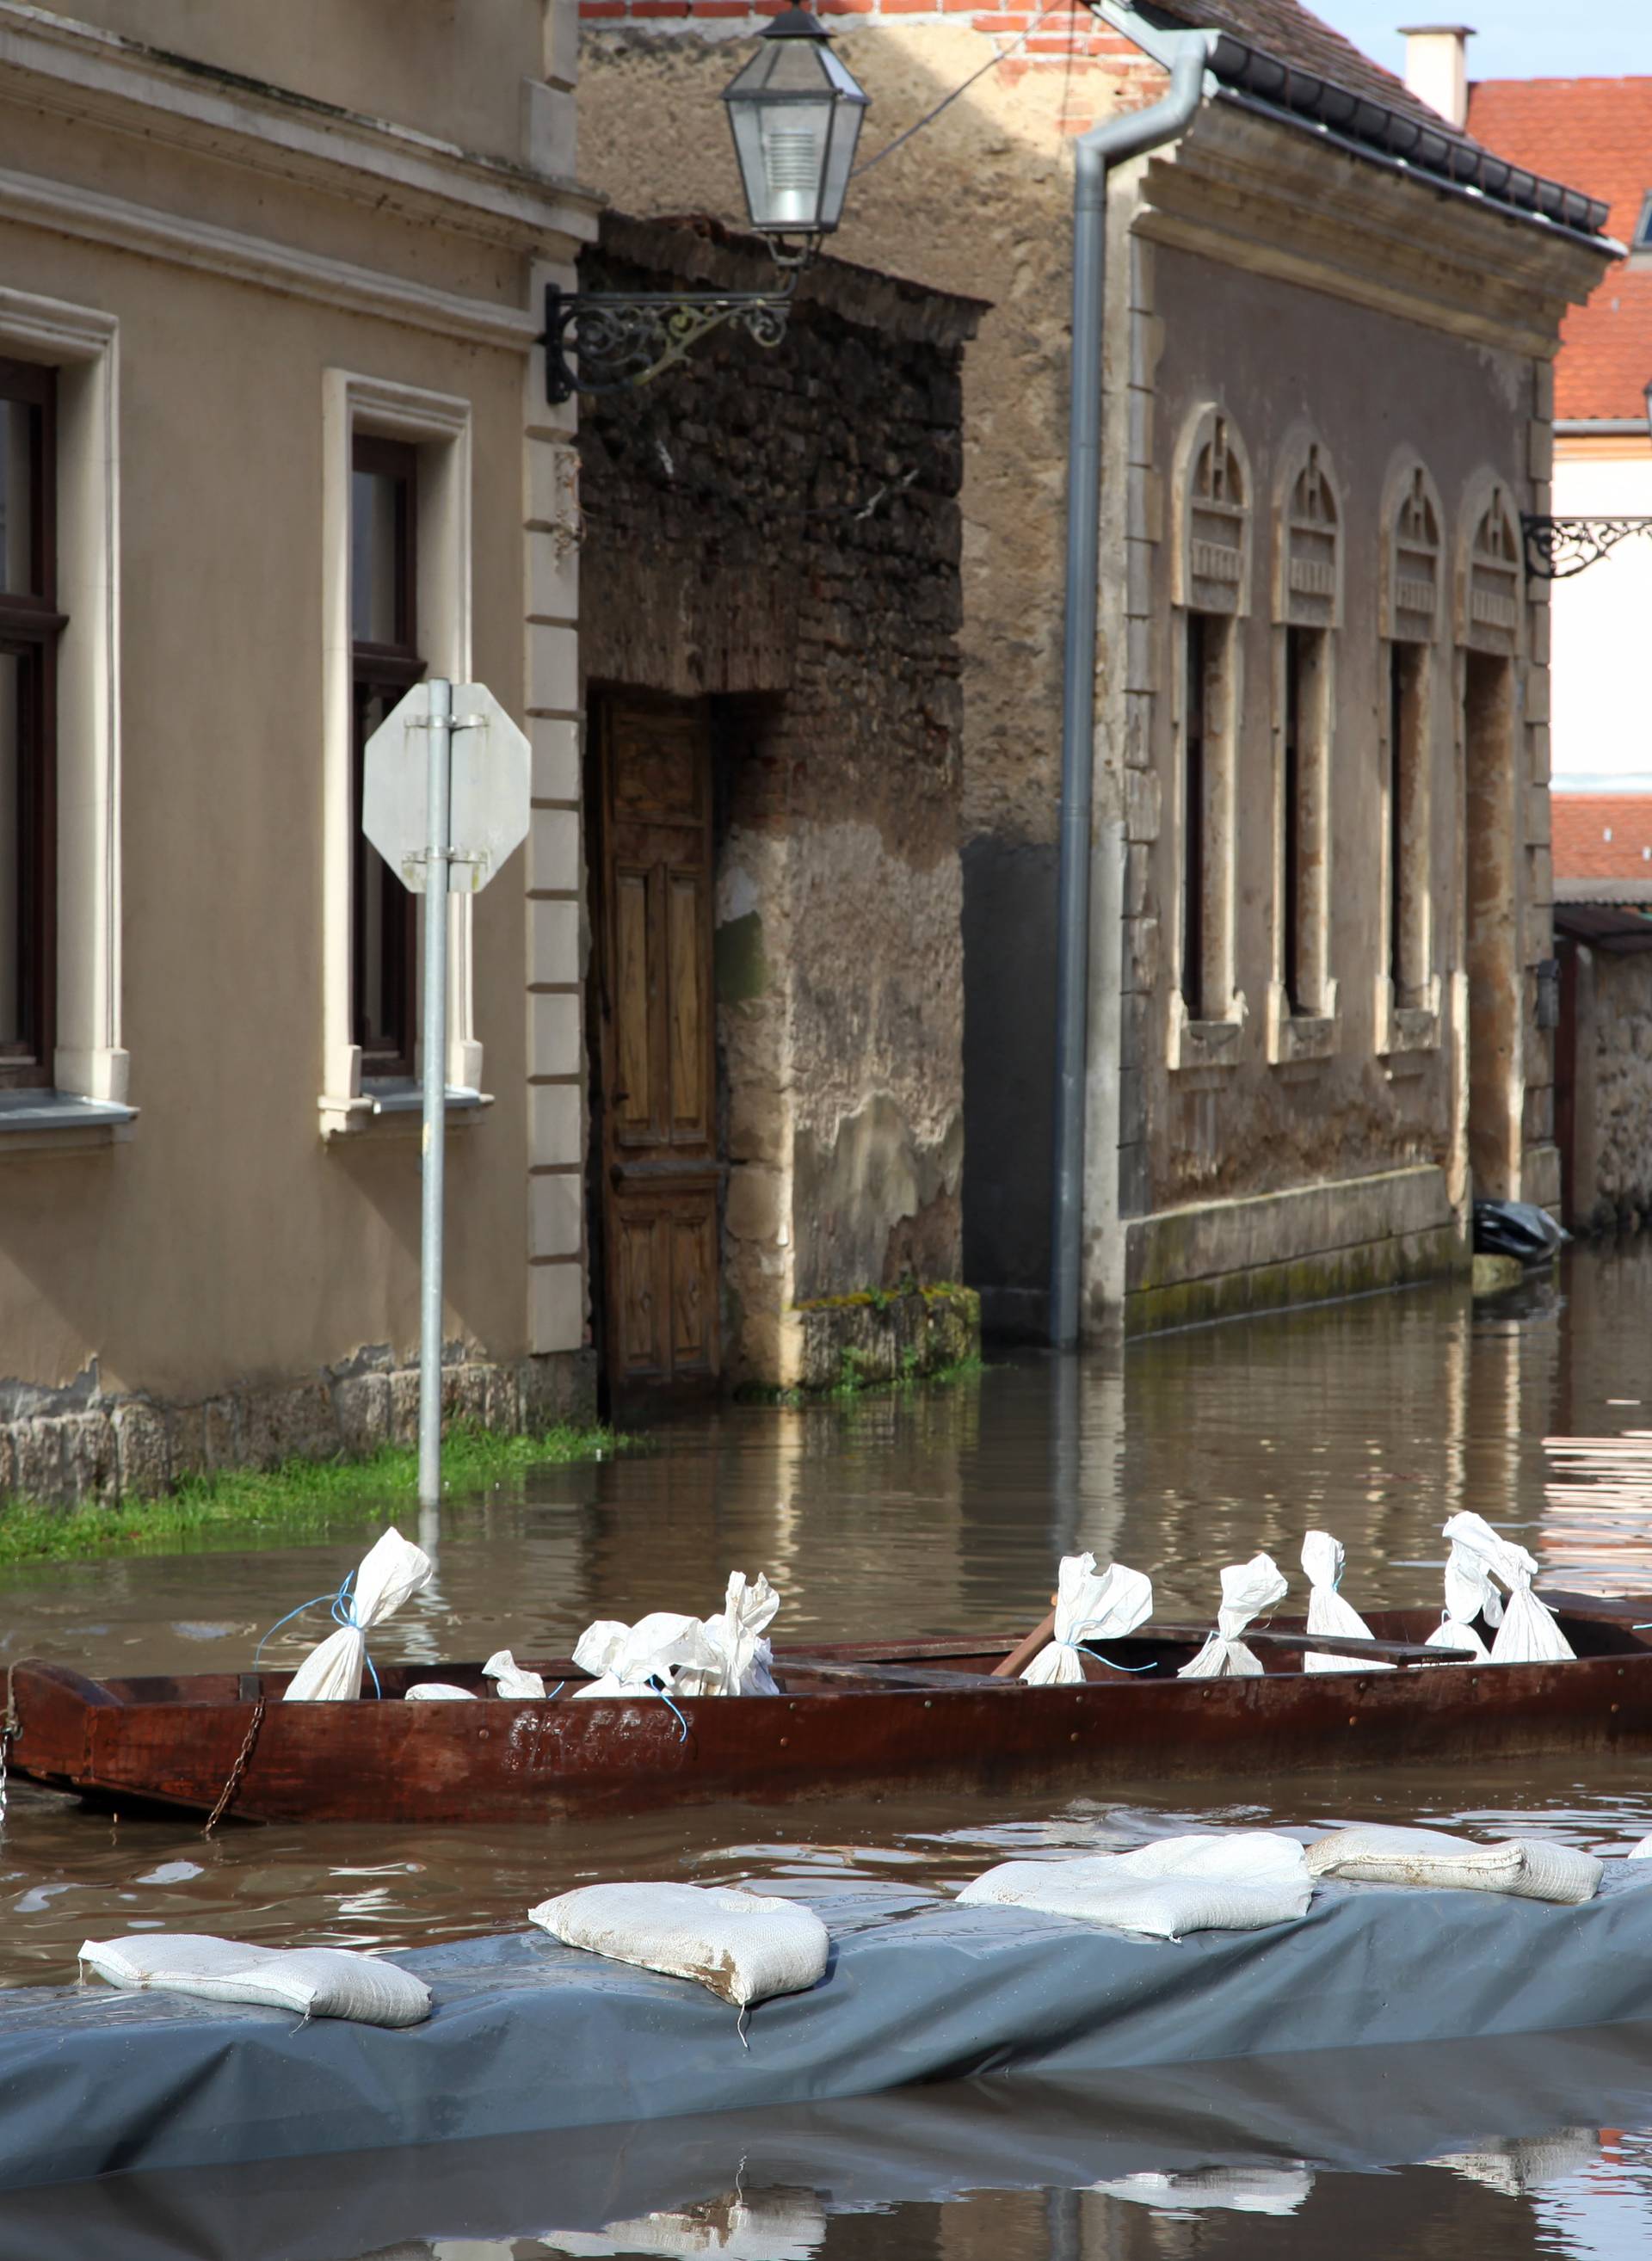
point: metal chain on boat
(8, 1735)
(226, 1796)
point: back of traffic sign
(490, 770)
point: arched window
(1489, 613)
(1415, 585)
(1307, 609)
(1213, 496)
(1414, 563)
(1216, 519)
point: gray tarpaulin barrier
(1354, 2110)
(529, 2037)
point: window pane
(383, 970)
(14, 887)
(377, 522)
(17, 428)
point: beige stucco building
(1319, 916)
(276, 443)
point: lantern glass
(796, 113)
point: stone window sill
(1206, 1045)
(1304, 1038)
(60, 1121)
(394, 1108)
(1412, 1029)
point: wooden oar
(1022, 1653)
(1324, 1644)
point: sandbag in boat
(1323, 1558)
(1247, 1588)
(1527, 1633)
(1088, 1606)
(391, 1573)
(667, 1654)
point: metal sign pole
(435, 1077)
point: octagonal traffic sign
(490, 770)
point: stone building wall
(979, 202)
(1623, 1083)
(778, 532)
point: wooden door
(656, 1066)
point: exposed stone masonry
(82, 1445)
(780, 531)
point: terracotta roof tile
(1595, 134)
(1602, 835)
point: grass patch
(301, 1500)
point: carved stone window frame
(1310, 520)
(1489, 587)
(1416, 565)
(1214, 493)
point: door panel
(689, 916)
(633, 1095)
(657, 1060)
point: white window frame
(439, 425)
(90, 1069)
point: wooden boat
(852, 1718)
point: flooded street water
(918, 1514)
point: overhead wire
(947, 100)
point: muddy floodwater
(918, 1514)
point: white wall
(1602, 650)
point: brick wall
(1107, 72)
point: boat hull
(177, 1742)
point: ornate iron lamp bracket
(1557, 548)
(602, 342)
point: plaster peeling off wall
(876, 1040)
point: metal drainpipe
(1103, 146)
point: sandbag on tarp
(1336, 2111)
(528, 2035)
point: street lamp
(796, 114)
(1557, 548)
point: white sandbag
(662, 1647)
(743, 1946)
(391, 1574)
(1243, 1881)
(438, 1692)
(1530, 1631)
(1247, 1588)
(1278, 2191)
(1471, 1591)
(1527, 1631)
(1641, 1852)
(508, 1678)
(1525, 1867)
(1451, 1632)
(1088, 1607)
(736, 1635)
(312, 1982)
(1323, 1558)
